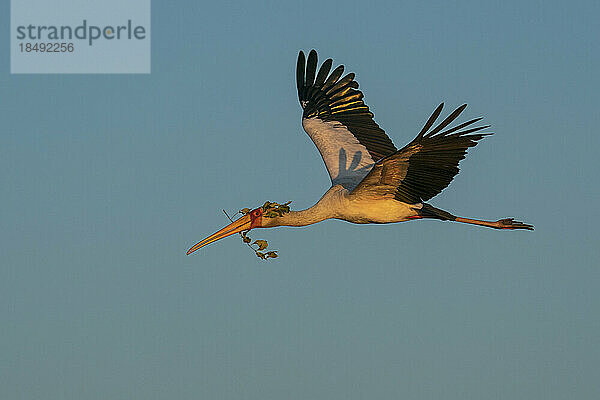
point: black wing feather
(334, 99)
(323, 72)
(300, 70)
(427, 165)
(311, 68)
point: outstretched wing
(425, 166)
(339, 122)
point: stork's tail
(428, 211)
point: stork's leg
(506, 223)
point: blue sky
(108, 179)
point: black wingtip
(300, 70)
(323, 72)
(311, 67)
(431, 120)
(449, 119)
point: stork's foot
(510, 223)
(505, 223)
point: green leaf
(262, 244)
(270, 209)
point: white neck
(302, 218)
(324, 209)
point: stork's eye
(257, 212)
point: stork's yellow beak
(241, 224)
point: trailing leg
(429, 211)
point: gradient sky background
(108, 179)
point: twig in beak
(247, 240)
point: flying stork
(372, 182)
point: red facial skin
(256, 217)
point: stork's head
(261, 217)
